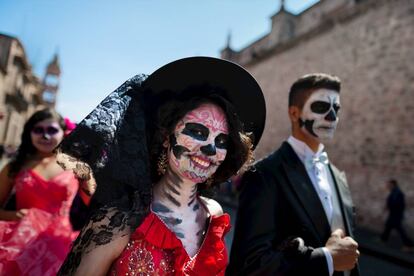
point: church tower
(227, 52)
(51, 82)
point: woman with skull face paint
(36, 234)
(156, 142)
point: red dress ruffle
(155, 250)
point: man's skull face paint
(199, 143)
(319, 116)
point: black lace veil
(109, 148)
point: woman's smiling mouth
(200, 162)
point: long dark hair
(26, 148)
(240, 149)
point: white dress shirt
(323, 182)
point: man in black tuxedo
(295, 212)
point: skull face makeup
(199, 143)
(319, 116)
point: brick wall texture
(372, 51)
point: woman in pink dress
(35, 238)
(153, 146)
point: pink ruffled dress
(39, 242)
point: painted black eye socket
(336, 107)
(196, 131)
(320, 107)
(50, 130)
(221, 141)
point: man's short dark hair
(304, 86)
(393, 182)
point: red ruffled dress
(154, 249)
(38, 243)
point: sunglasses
(50, 130)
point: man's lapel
(344, 197)
(305, 191)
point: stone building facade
(21, 91)
(369, 45)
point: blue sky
(101, 43)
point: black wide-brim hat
(237, 86)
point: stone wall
(369, 45)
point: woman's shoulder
(5, 169)
(5, 175)
(213, 207)
(99, 244)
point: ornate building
(21, 92)
(51, 82)
(368, 44)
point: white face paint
(320, 113)
(199, 145)
(46, 135)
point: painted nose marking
(331, 116)
(208, 150)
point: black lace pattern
(109, 147)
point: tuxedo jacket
(277, 205)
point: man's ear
(294, 113)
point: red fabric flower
(69, 125)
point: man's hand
(344, 250)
